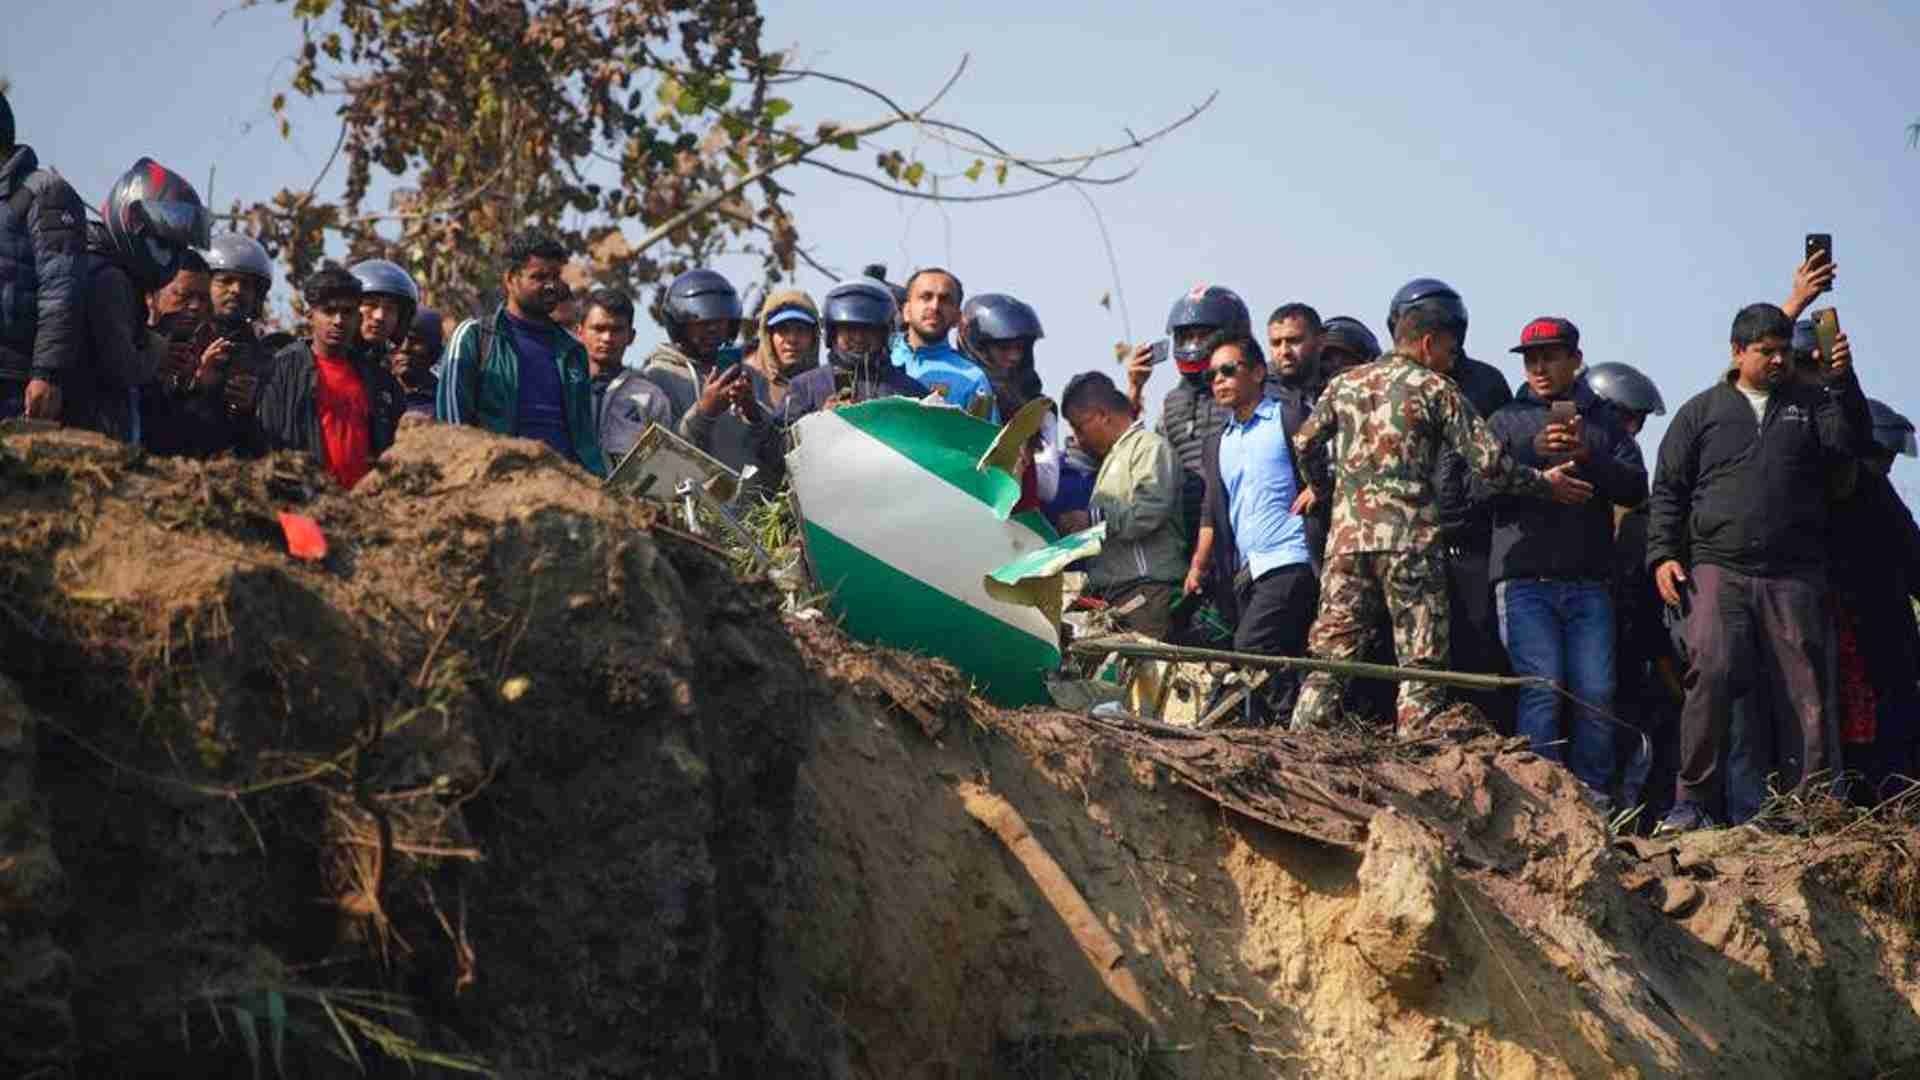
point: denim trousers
(1562, 629)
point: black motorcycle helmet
(1350, 335)
(1215, 307)
(1626, 388)
(382, 277)
(862, 301)
(152, 215)
(997, 317)
(1431, 292)
(700, 296)
(238, 253)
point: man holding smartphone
(1737, 541)
(1552, 563)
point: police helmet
(1430, 292)
(1625, 387)
(153, 215)
(1215, 307)
(1348, 334)
(700, 296)
(1892, 431)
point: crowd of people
(1742, 607)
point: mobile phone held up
(1820, 244)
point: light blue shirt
(1256, 468)
(941, 366)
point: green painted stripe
(880, 604)
(946, 442)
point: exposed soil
(588, 806)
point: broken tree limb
(1109, 960)
(1355, 668)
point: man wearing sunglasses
(1253, 542)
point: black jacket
(42, 237)
(1876, 570)
(197, 422)
(810, 391)
(1752, 498)
(118, 352)
(1537, 538)
(1459, 495)
(285, 415)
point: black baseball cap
(1548, 330)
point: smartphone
(1821, 244)
(843, 381)
(1563, 412)
(1161, 350)
(1826, 327)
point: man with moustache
(520, 373)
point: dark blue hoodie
(1538, 538)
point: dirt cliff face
(515, 778)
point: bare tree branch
(990, 196)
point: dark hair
(1093, 390)
(1220, 339)
(612, 301)
(6, 124)
(1296, 310)
(1418, 320)
(1757, 321)
(533, 244)
(960, 291)
(329, 283)
(192, 262)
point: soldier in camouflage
(1389, 421)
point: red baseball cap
(1548, 330)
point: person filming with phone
(1737, 542)
(1552, 563)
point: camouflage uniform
(1389, 421)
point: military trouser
(1412, 587)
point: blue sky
(1642, 169)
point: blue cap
(791, 314)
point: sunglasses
(1226, 371)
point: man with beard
(930, 314)
(1294, 379)
(712, 395)
(520, 373)
(325, 397)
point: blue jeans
(1563, 630)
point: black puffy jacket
(42, 235)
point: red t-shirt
(340, 400)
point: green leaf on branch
(775, 108)
(847, 140)
(914, 174)
(1000, 173)
(974, 170)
